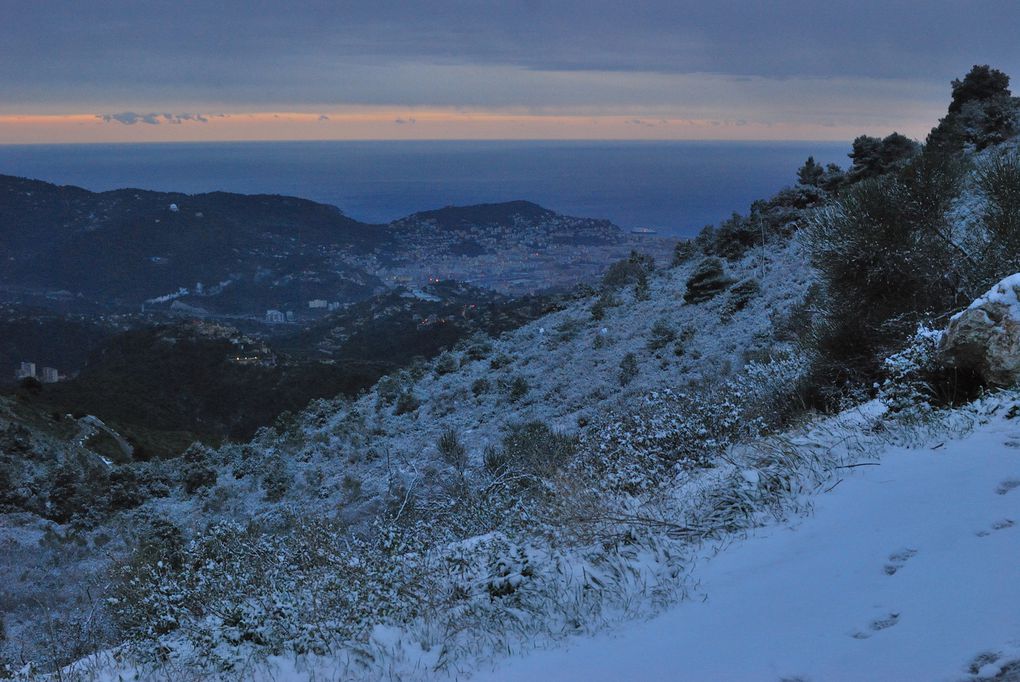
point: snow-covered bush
(452, 450)
(529, 454)
(661, 334)
(917, 379)
(740, 296)
(885, 256)
(642, 447)
(446, 363)
(998, 180)
(198, 471)
(707, 280)
(406, 402)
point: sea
(674, 188)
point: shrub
(981, 83)
(500, 361)
(707, 280)
(628, 369)
(643, 445)
(143, 601)
(452, 450)
(999, 183)
(662, 333)
(734, 237)
(446, 363)
(516, 388)
(198, 472)
(124, 491)
(605, 300)
(916, 379)
(276, 481)
(684, 251)
(566, 331)
(406, 402)
(872, 156)
(530, 451)
(480, 386)
(387, 389)
(628, 271)
(885, 256)
(982, 112)
(641, 289)
(810, 173)
(741, 295)
(478, 349)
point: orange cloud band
(384, 124)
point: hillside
(881, 582)
(164, 385)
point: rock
(708, 279)
(985, 338)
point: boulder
(985, 338)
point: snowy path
(906, 571)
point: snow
(1004, 292)
(907, 570)
(169, 297)
(422, 295)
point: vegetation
(452, 449)
(707, 280)
(628, 271)
(628, 368)
(661, 335)
(982, 112)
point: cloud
(130, 118)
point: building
(50, 375)
(318, 303)
(27, 369)
(275, 317)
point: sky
(116, 70)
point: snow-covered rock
(985, 337)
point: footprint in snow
(898, 559)
(1007, 485)
(998, 525)
(878, 625)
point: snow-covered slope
(908, 569)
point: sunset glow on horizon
(388, 124)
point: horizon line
(643, 140)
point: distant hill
(465, 217)
(232, 254)
(128, 246)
